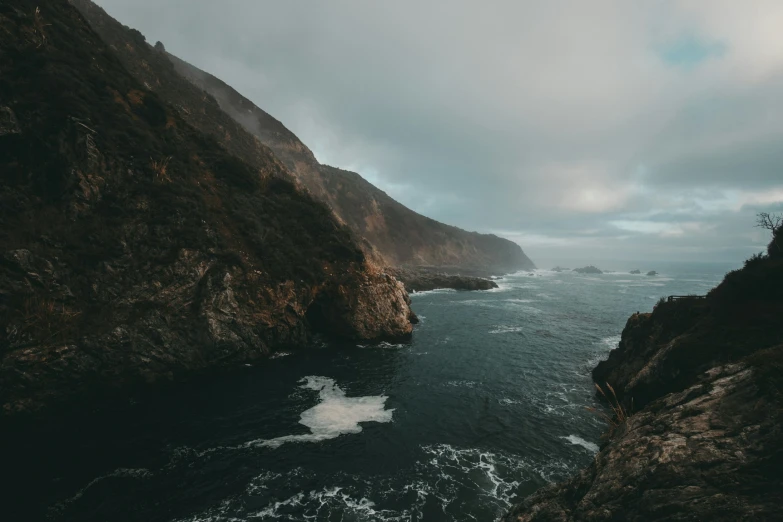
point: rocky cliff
(394, 235)
(703, 381)
(136, 249)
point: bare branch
(771, 222)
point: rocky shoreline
(700, 380)
(421, 280)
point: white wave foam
(435, 291)
(610, 342)
(469, 460)
(503, 286)
(383, 345)
(461, 384)
(579, 441)
(333, 416)
(500, 329)
(523, 301)
(320, 504)
(277, 355)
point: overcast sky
(580, 129)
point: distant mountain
(393, 234)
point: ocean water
(483, 406)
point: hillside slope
(703, 379)
(394, 234)
(134, 248)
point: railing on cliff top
(678, 297)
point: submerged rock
(636, 272)
(560, 269)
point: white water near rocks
(335, 415)
(486, 404)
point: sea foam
(579, 441)
(333, 416)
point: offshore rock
(588, 270)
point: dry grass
(39, 27)
(160, 169)
(620, 413)
(136, 97)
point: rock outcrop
(588, 270)
(560, 269)
(394, 235)
(702, 378)
(635, 272)
(420, 280)
(136, 249)
(652, 273)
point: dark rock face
(417, 280)
(588, 270)
(703, 379)
(394, 235)
(705, 453)
(135, 249)
(636, 272)
(652, 273)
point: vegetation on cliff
(134, 248)
(704, 440)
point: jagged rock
(635, 272)
(352, 309)
(652, 273)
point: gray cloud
(579, 129)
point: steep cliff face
(703, 378)
(394, 234)
(133, 248)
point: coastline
(700, 382)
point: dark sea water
(485, 405)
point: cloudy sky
(581, 130)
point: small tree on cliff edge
(773, 223)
